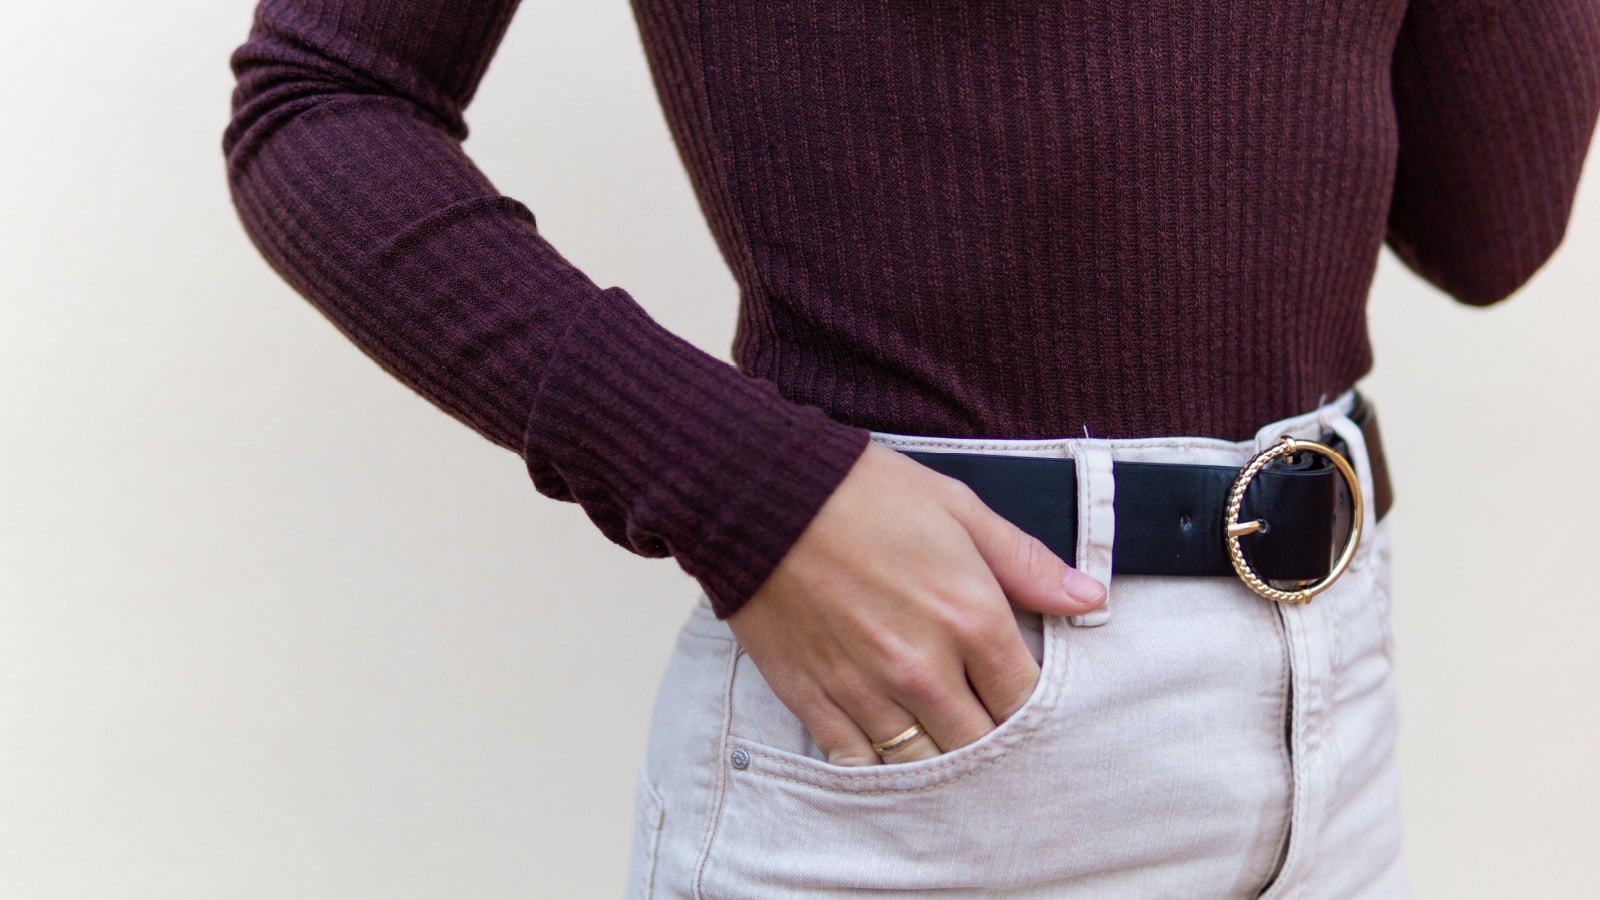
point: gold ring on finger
(900, 741)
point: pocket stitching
(828, 780)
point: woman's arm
(345, 163)
(1496, 103)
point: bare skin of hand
(891, 609)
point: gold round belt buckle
(1235, 529)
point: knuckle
(1031, 554)
(977, 613)
(957, 612)
(918, 681)
(959, 495)
(973, 591)
(973, 628)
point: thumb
(1029, 572)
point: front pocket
(777, 744)
(792, 824)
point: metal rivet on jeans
(740, 758)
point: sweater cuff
(672, 451)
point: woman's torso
(1040, 219)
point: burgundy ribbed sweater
(953, 217)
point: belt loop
(1097, 521)
(1356, 444)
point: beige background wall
(271, 626)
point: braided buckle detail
(1233, 529)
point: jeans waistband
(1177, 448)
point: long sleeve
(345, 164)
(1496, 104)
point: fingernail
(1084, 589)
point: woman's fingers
(954, 718)
(1003, 673)
(842, 738)
(833, 730)
(916, 691)
(1029, 572)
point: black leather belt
(1170, 517)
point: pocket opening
(779, 745)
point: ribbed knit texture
(952, 217)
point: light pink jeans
(1194, 740)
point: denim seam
(730, 658)
(653, 843)
(1282, 887)
(1280, 849)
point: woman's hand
(891, 609)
